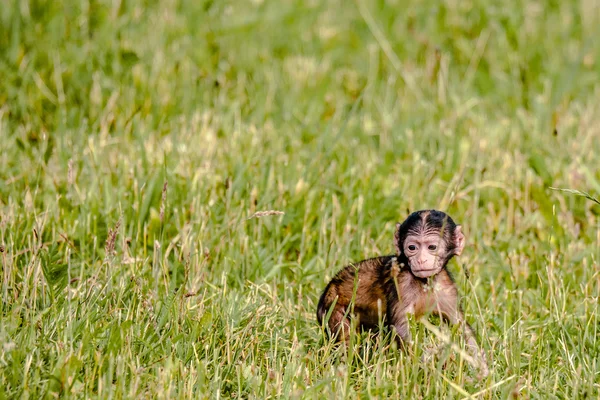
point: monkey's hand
(431, 354)
(484, 371)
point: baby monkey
(415, 281)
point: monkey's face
(426, 254)
(428, 239)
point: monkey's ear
(397, 239)
(459, 240)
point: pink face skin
(424, 254)
(427, 253)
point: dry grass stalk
(163, 201)
(260, 214)
(70, 172)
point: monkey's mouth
(425, 272)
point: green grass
(345, 116)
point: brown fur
(367, 283)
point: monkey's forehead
(426, 229)
(435, 236)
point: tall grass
(142, 142)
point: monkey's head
(428, 239)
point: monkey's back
(362, 284)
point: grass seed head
(109, 247)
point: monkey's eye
(432, 247)
(412, 247)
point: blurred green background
(138, 137)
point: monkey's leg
(339, 324)
(469, 335)
(452, 312)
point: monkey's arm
(398, 317)
(398, 307)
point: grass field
(138, 137)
